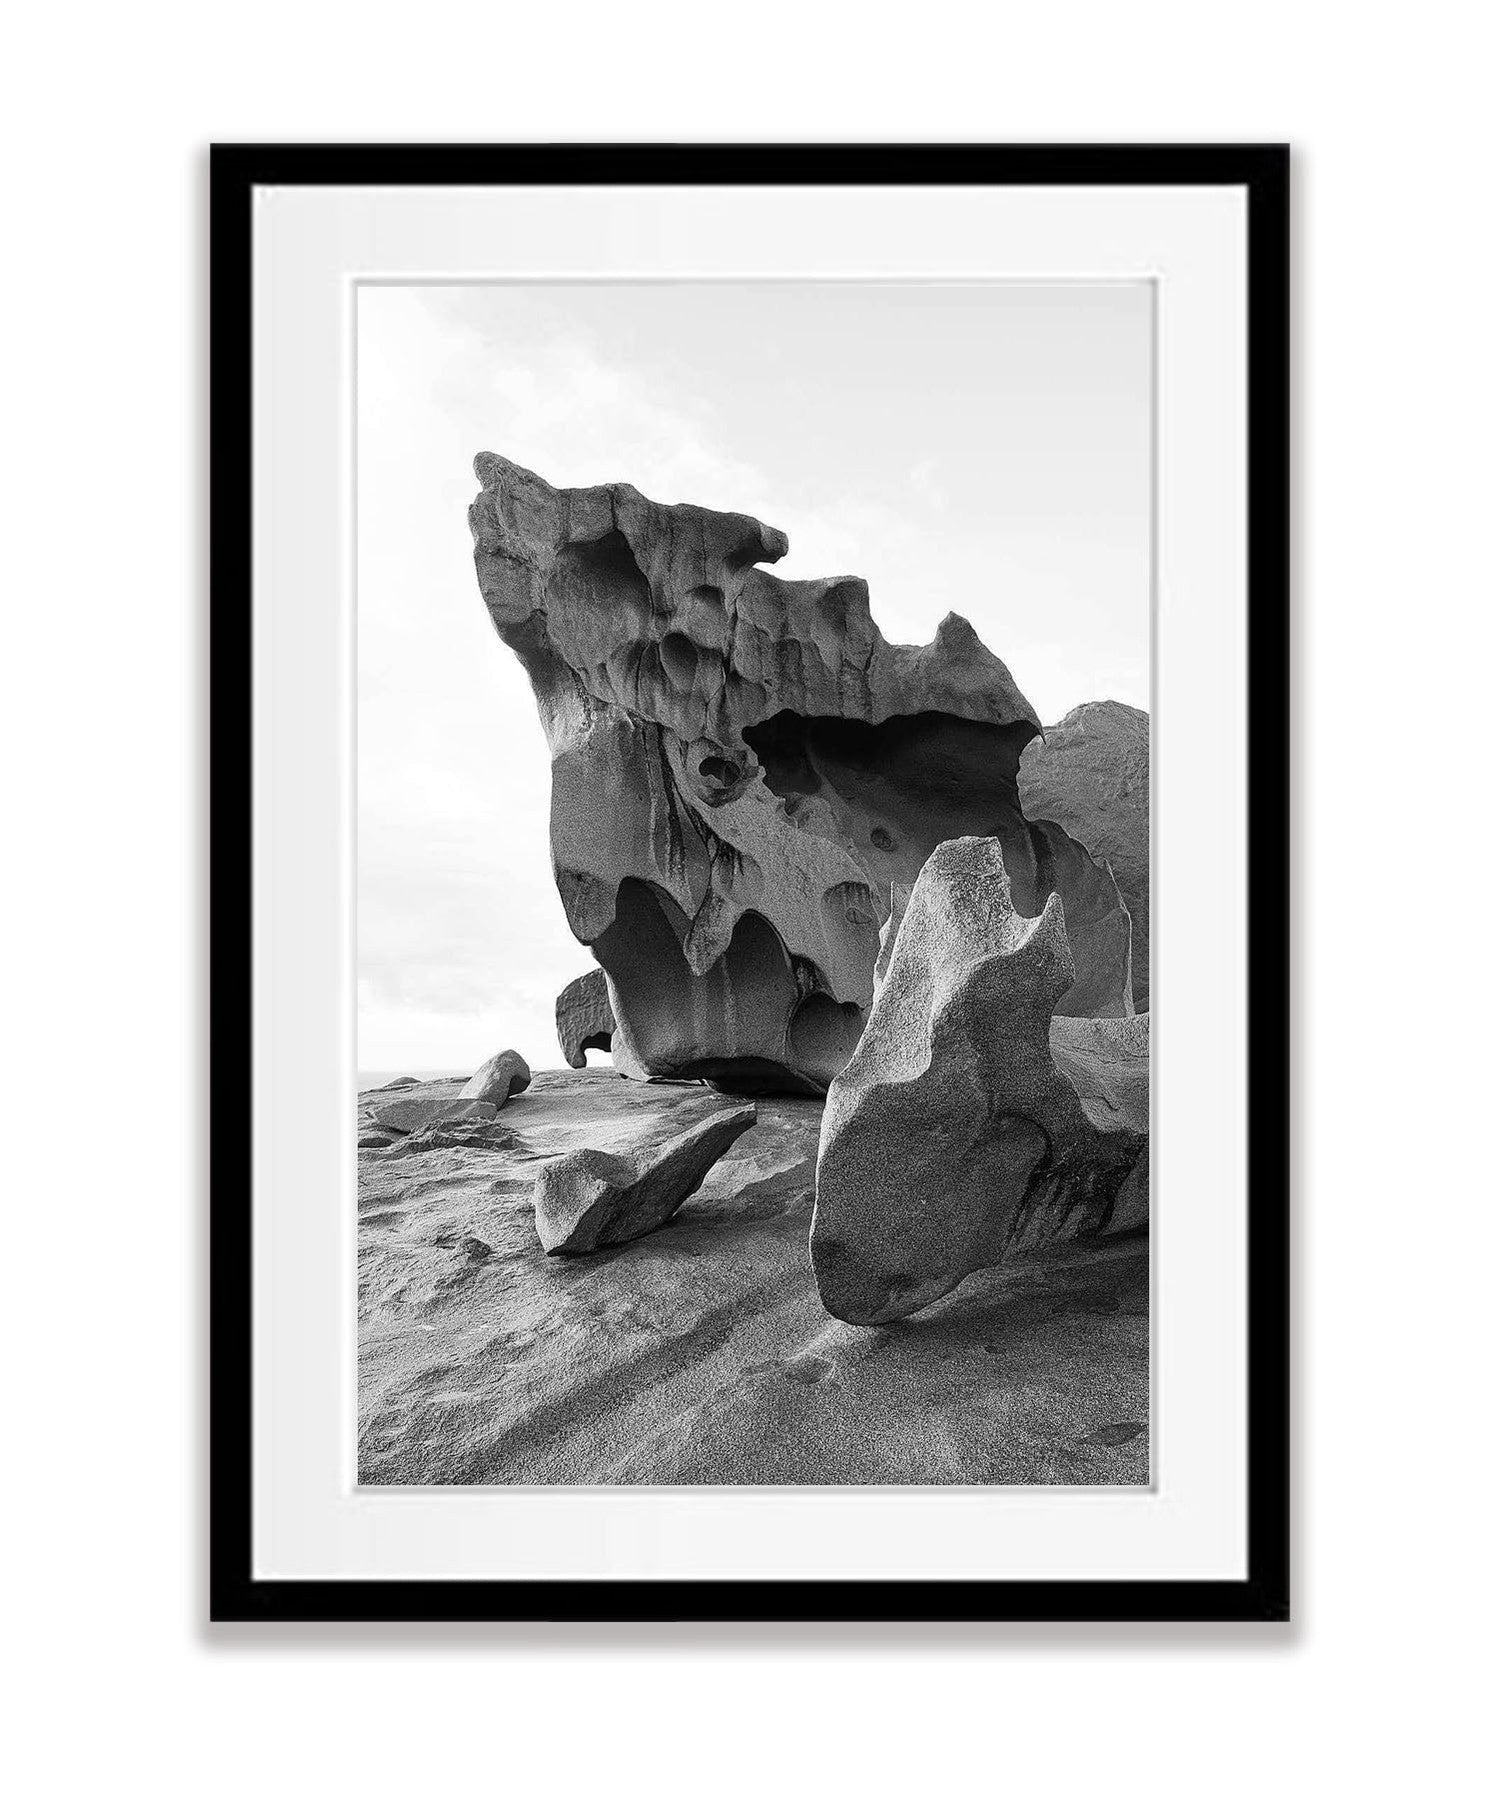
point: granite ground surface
(701, 1354)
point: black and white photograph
(753, 882)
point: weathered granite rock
(585, 1018)
(951, 1142)
(589, 1198)
(741, 768)
(1090, 775)
(501, 1077)
(1106, 1061)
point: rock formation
(477, 1101)
(951, 1141)
(589, 1198)
(1090, 776)
(585, 1018)
(500, 1077)
(742, 768)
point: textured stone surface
(1090, 775)
(701, 1353)
(951, 1142)
(1106, 1062)
(585, 1017)
(418, 1108)
(1132, 1202)
(742, 767)
(590, 1198)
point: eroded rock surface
(1090, 775)
(590, 1197)
(951, 1141)
(742, 767)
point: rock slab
(951, 1141)
(590, 1198)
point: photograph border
(235, 1594)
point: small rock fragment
(1113, 1436)
(589, 1198)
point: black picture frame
(1262, 171)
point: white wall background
(1385, 1683)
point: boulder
(585, 1018)
(477, 1101)
(589, 1198)
(1089, 776)
(951, 1141)
(501, 1076)
(742, 767)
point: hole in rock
(904, 786)
(822, 1033)
(597, 599)
(908, 784)
(719, 769)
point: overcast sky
(977, 449)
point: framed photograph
(750, 882)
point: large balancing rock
(951, 1141)
(742, 767)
